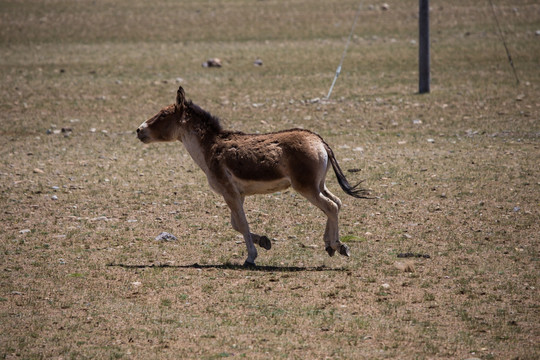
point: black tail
(354, 191)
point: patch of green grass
(352, 239)
(76, 275)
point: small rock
(38, 171)
(385, 6)
(54, 197)
(309, 246)
(92, 130)
(165, 236)
(258, 62)
(24, 231)
(136, 283)
(385, 286)
(537, 32)
(417, 121)
(62, 261)
(431, 141)
(213, 62)
(410, 254)
(407, 266)
(55, 187)
(517, 209)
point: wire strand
(504, 41)
(338, 70)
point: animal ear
(180, 98)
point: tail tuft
(355, 191)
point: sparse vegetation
(81, 275)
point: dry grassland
(456, 173)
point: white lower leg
(240, 224)
(251, 249)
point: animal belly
(252, 187)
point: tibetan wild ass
(238, 164)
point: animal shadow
(262, 268)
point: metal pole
(423, 52)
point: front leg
(262, 241)
(240, 224)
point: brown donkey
(238, 164)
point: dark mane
(209, 121)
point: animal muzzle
(142, 134)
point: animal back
(266, 157)
(258, 164)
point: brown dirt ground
(455, 171)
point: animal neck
(203, 121)
(196, 148)
(202, 131)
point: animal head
(166, 125)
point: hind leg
(329, 205)
(331, 196)
(343, 249)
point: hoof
(330, 251)
(249, 265)
(265, 243)
(344, 250)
